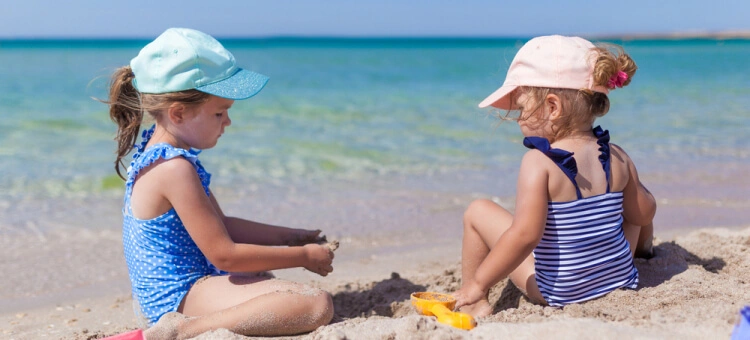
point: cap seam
(557, 62)
(195, 56)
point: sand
(692, 289)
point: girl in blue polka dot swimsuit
(179, 246)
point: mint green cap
(183, 59)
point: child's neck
(575, 136)
(163, 135)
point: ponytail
(611, 64)
(127, 107)
(126, 111)
(611, 60)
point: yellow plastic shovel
(441, 306)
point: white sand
(692, 289)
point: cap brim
(241, 85)
(500, 98)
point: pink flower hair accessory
(617, 80)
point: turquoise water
(360, 110)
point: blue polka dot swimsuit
(163, 261)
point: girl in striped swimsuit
(581, 211)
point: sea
(373, 140)
(375, 110)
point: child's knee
(477, 207)
(320, 307)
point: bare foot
(644, 254)
(645, 250)
(479, 309)
(167, 327)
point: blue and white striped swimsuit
(583, 253)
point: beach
(378, 143)
(393, 242)
(692, 289)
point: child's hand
(301, 237)
(319, 259)
(469, 294)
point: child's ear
(176, 112)
(553, 106)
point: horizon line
(733, 34)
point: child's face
(205, 124)
(531, 120)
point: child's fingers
(302, 237)
(327, 266)
(319, 239)
(313, 236)
(324, 270)
(333, 245)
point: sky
(368, 18)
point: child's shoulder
(621, 167)
(170, 175)
(533, 155)
(166, 163)
(175, 167)
(534, 161)
(617, 153)
(161, 152)
(166, 151)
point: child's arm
(180, 185)
(521, 238)
(639, 205)
(251, 232)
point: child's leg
(640, 239)
(484, 223)
(247, 306)
(631, 232)
(645, 242)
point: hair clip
(617, 80)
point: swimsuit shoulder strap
(563, 159)
(143, 158)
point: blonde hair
(127, 105)
(584, 105)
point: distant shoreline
(366, 42)
(698, 35)
(722, 35)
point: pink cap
(550, 61)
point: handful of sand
(333, 245)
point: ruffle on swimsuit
(143, 158)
